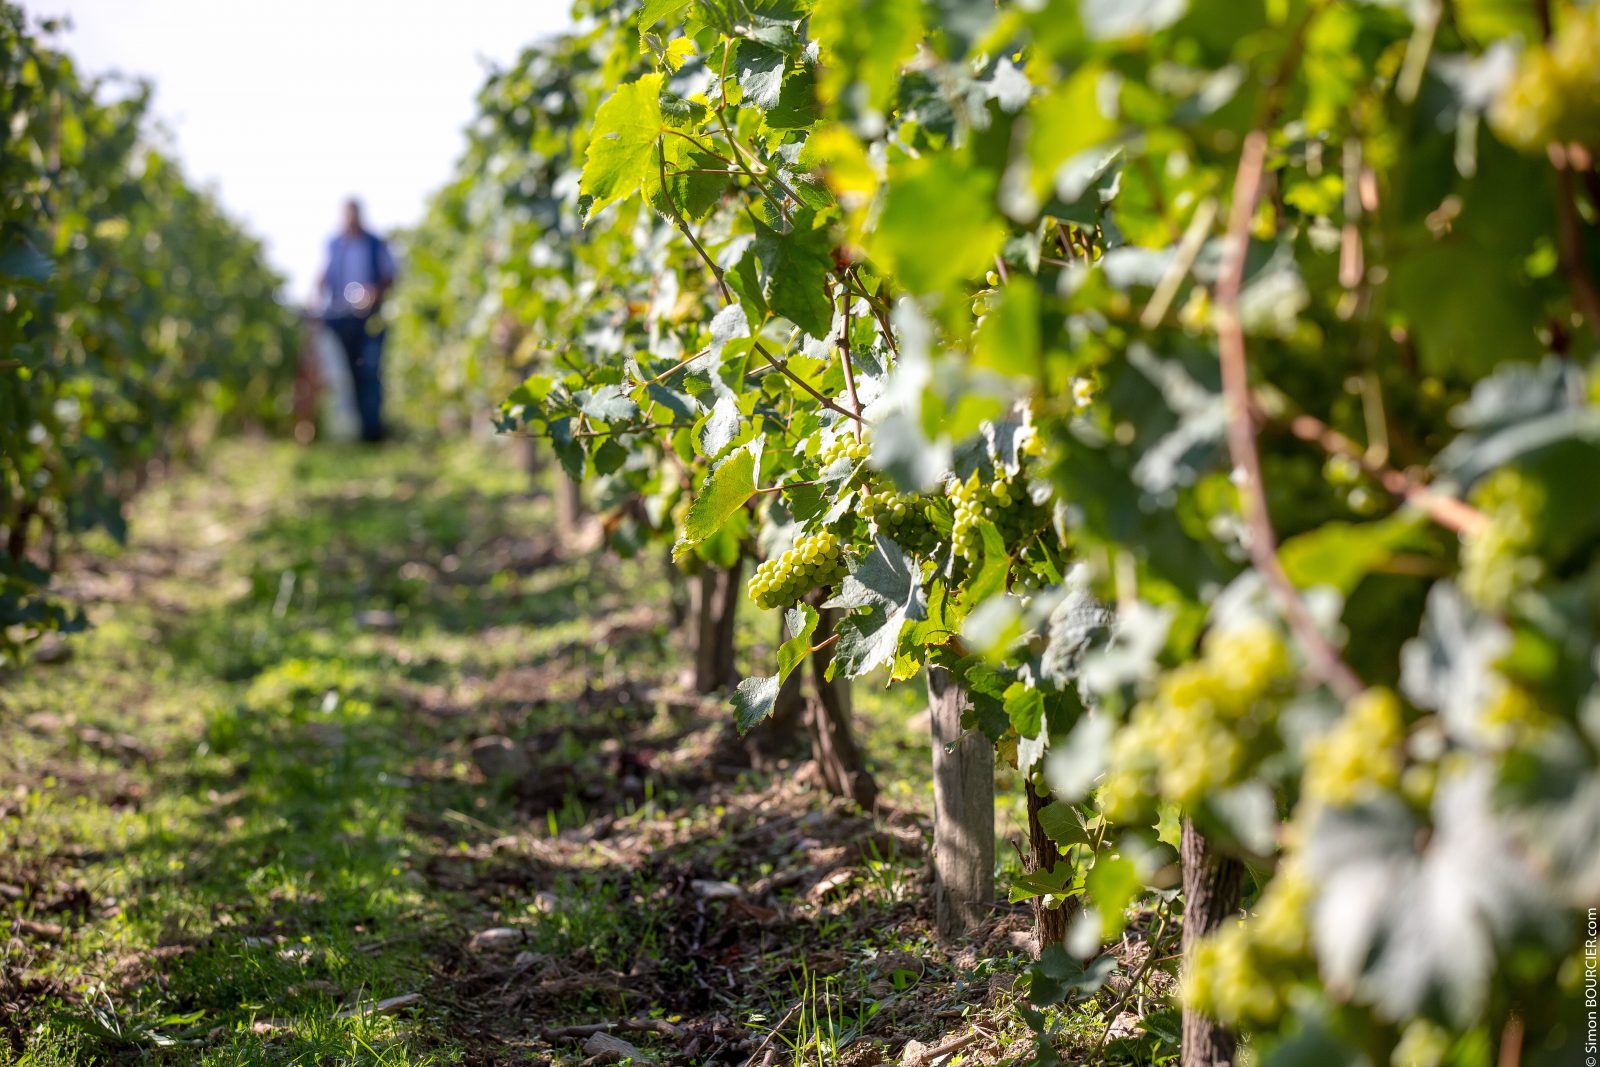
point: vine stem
(783, 368)
(1324, 659)
(787, 485)
(1569, 235)
(1455, 515)
(672, 205)
(676, 367)
(844, 355)
(1569, 225)
(825, 642)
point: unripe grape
(1360, 755)
(901, 517)
(1279, 926)
(845, 447)
(1554, 97)
(816, 560)
(1497, 560)
(1210, 721)
(1002, 501)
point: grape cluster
(1004, 502)
(1206, 727)
(847, 448)
(1554, 97)
(815, 560)
(1240, 973)
(1360, 755)
(1498, 560)
(901, 517)
(1513, 715)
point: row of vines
(1202, 394)
(137, 318)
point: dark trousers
(363, 348)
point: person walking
(359, 273)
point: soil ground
(360, 763)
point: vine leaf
(621, 157)
(1404, 928)
(726, 490)
(1059, 974)
(793, 273)
(1062, 824)
(938, 226)
(754, 698)
(887, 584)
(1449, 667)
(1340, 554)
(721, 426)
(870, 59)
(608, 403)
(21, 261)
(760, 74)
(656, 10)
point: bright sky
(288, 107)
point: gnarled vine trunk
(1211, 887)
(781, 734)
(1049, 924)
(716, 614)
(833, 743)
(963, 811)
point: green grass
(245, 807)
(250, 824)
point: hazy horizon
(377, 110)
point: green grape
(1513, 715)
(1239, 973)
(1208, 724)
(1279, 927)
(1002, 501)
(1554, 97)
(844, 447)
(1223, 978)
(901, 517)
(1422, 1044)
(814, 561)
(1497, 560)
(1360, 756)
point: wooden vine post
(963, 811)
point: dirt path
(356, 766)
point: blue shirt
(357, 265)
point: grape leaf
(886, 583)
(754, 698)
(794, 268)
(622, 158)
(939, 228)
(1061, 823)
(761, 73)
(656, 10)
(728, 487)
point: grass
(246, 809)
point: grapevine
(1204, 394)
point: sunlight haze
(288, 108)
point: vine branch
(1455, 515)
(844, 355)
(783, 368)
(672, 205)
(1569, 238)
(1262, 541)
